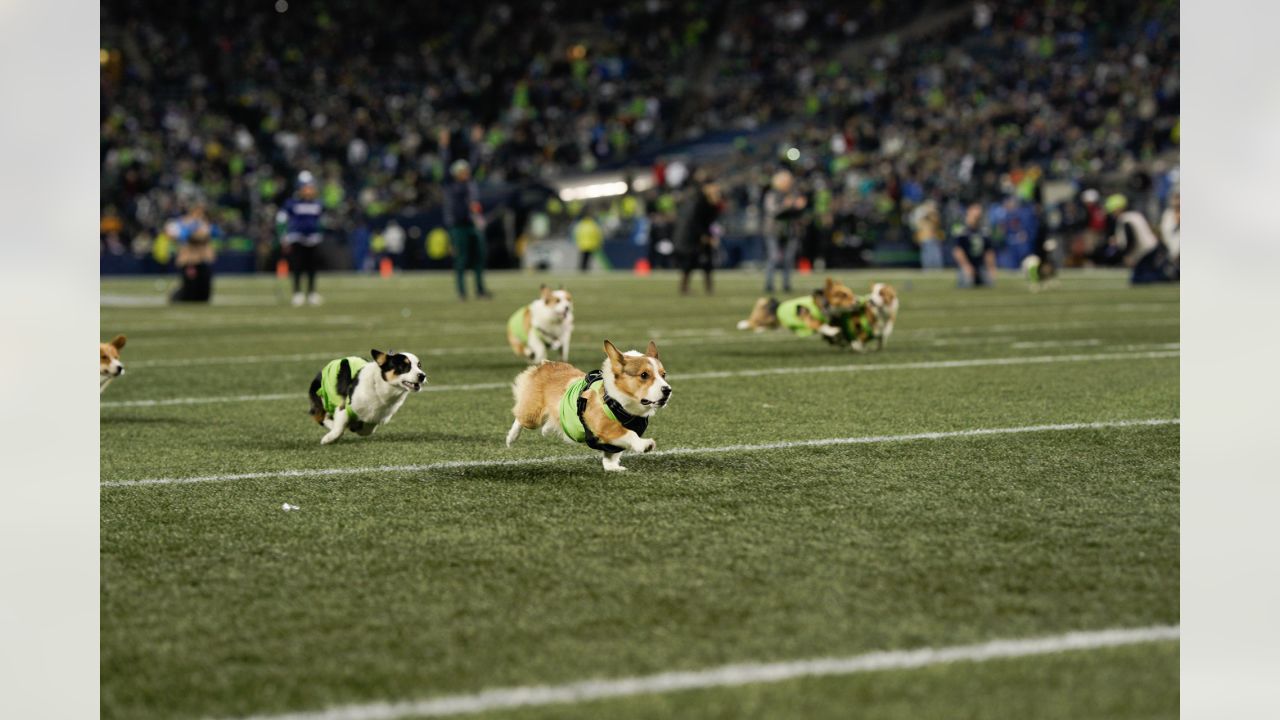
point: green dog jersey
(573, 405)
(515, 325)
(789, 315)
(328, 392)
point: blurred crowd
(222, 106)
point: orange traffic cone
(642, 267)
(282, 268)
(385, 268)
(804, 266)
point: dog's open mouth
(659, 403)
(411, 385)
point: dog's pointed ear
(652, 350)
(378, 356)
(831, 283)
(118, 342)
(615, 355)
(544, 292)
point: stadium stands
(877, 110)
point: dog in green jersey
(354, 394)
(871, 320)
(827, 307)
(543, 326)
(607, 409)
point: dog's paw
(743, 325)
(857, 346)
(647, 446)
(329, 439)
(614, 468)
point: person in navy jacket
(299, 218)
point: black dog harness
(613, 409)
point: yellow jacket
(588, 235)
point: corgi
(543, 326)
(608, 409)
(354, 394)
(109, 365)
(803, 316)
(872, 319)
(883, 304)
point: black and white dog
(354, 394)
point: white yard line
(735, 675)
(583, 458)
(369, 329)
(717, 338)
(1087, 342)
(299, 396)
(928, 365)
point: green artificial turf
(395, 585)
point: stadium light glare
(793, 154)
(593, 191)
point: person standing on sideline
(463, 215)
(928, 224)
(695, 239)
(783, 208)
(975, 256)
(299, 218)
(589, 238)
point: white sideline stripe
(735, 675)
(280, 396)
(1087, 342)
(709, 337)
(929, 364)
(922, 365)
(781, 445)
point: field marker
(735, 675)
(676, 452)
(1170, 352)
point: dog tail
(317, 407)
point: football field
(1006, 469)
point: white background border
(48, 302)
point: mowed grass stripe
(720, 374)
(736, 675)
(758, 447)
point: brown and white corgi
(109, 365)
(543, 326)
(883, 302)
(803, 315)
(607, 409)
(872, 319)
